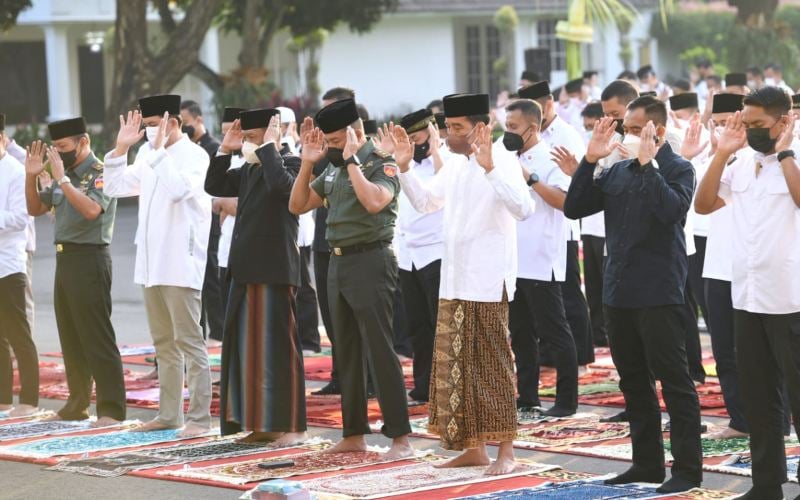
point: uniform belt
(360, 248)
(75, 247)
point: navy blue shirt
(645, 211)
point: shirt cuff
(220, 153)
(114, 161)
(155, 157)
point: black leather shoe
(638, 474)
(331, 389)
(619, 417)
(559, 412)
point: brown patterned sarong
(472, 383)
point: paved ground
(27, 481)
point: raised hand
(482, 148)
(600, 145)
(130, 130)
(713, 136)
(352, 145)
(56, 164)
(787, 136)
(403, 148)
(34, 159)
(434, 139)
(385, 141)
(273, 132)
(233, 138)
(314, 147)
(565, 160)
(734, 137)
(692, 146)
(163, 131)
(648, 148)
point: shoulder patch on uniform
(98, 166)
(382, 154)
(390, 169)
(98, 182)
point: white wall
(401, 65)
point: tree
(140, 70)
(10, 10)
(754, 14)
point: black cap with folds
(736, 79)
(727, 103)
(337, 115)
(67, 128)
(231, 114)
(535, 91)
(440, 121)
(370, 127)
(456, 105)
(157, 105)
(257, 118)
(416, 121)
(683, 101)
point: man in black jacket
(263, 387)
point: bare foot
(260, 437)
(152, 375)
(503, 465)
(193, 430)
(153, 425)
(726, 433)
(352, 443)
(105, 422)
(6, 407)
(23, 411)
(290, 439)
(470, 458)
(400, 449)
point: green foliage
(25, 134)
(696, 29)
(757, 47)
(10, 10)
(506, 19)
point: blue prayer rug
(34, 429)
(742, 465)
(576, 490)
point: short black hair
(645, 71)
(339, 94)
(682, 84)
(703, 63)
(527, 107)
(774, 100)
(620, 89)
(436, 103)
(755, 70)
(475, 119)
(654, 109)
(717, 79)
(362, 112)
(775, 67)
(593, 110)
(192, 107)
(626, 75)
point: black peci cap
(337, 115)
(416, 121)
(465, 105)
(727, 103)
(67, 128)
(257, 118)
(736, 79)
(535, 91)
(440, 121)
(370, 127)
(157, 105)
(231, 114)
(683, 101)
(649, 93)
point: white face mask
(249, 153)
(151, 133)
(632, 143)
(769, 81)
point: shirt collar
(85, 164)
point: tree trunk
(248, 55)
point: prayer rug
(585, 389)
(742, 465)
(314, 462)
(568, 433)
(72, 445)
(326, 411)
(410, 479)
(34, 429)
(110, 465)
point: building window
(92, 84)
(546, 30)
(24, 82)
(483, 48)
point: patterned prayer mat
(110, 465)
(742, 465)
(314, 462)
(35, 429)
(71, 445)
(569, 432)
(411, 478)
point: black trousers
(421, 298)
(361, 291)
(537, 312)
(83, 315)
(402, 338)
(694, 352)
(225, 285)
(576, 308)
(768, 354)
(648, 344)
(321, 265)
(15, 332)
(696, 286)
(593, 249)
(307, 312)
(723, 345)
(212, 316)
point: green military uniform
(83, 296)
(362, 280)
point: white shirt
(718, 264)
(305, 231)
(19, 153)
(766, 235)
(595, 225)
(480, 224)
(560, 133)
(419, 238)
(13, 217)
(226, 232)
(174, 211)
(541, 246)
(700, 163)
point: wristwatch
(63, 180)
(533, 179)
(354, 160)
(785, 154)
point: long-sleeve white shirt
(419, 237)
(13, 217)
(174, 211)
(480, 224)
(560, 133)
(19, 153)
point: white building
(56, 64)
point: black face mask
(421, 151)
(335, 156)
(759, 140)
(188, 130)
(514, 142)
(69, 157)
(620, 129)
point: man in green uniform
(84, 222)
(359, 187)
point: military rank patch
(390, 169)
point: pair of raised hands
(234, 138)
(34, 161)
